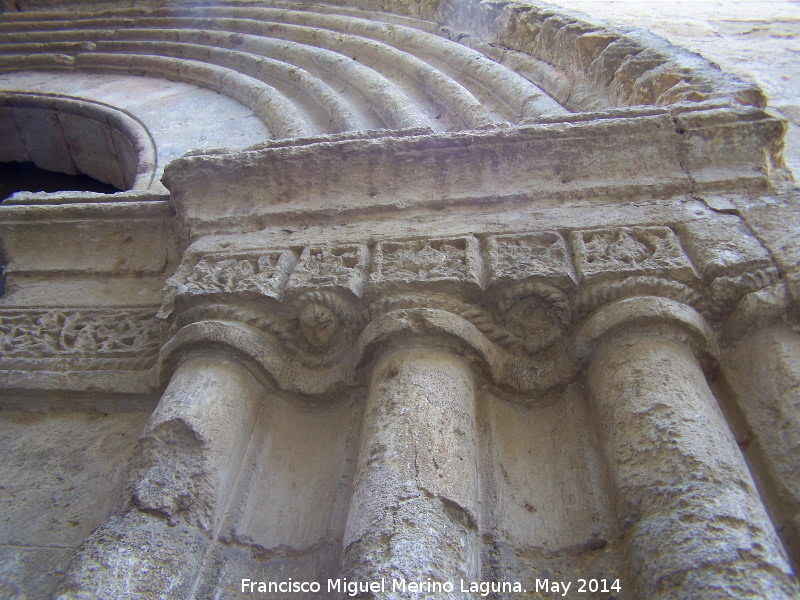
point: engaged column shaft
(414, 510)
(181, 476)
(764, 374)
(684, 494)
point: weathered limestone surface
(181, 476)
(682, 489)
(415, 505)
(540, 496)
(430, 292)
(295, 487)
(762, 370)
(65, 463)
(755, 40)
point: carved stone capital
(511, 303)
(444, 264)
(250, 347)
(642, 317)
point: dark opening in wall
(27, 177)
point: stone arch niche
(469, 302)
(74, 136)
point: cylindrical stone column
(181, 475)
(695, 523)
(763, 372)
(414, 511)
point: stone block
(411, 265)
(92, 149)
(31, 573)
(12, 147)
(331, 268)
(724, 247)
(515, 258)
(262, 275)
(602, 254)
(44, 139)
(127, 158)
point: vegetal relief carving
(527, 273)
(324, 267)
(536, 285)
(263, 275)
(534, 315)
(514, 258)
(79, 332)
(455, 260)
(624, 251)
(616, 247)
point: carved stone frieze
(264, 274)
(602, 254)
(327, 267)
(323, 300)
(514, 258)
(524, 292)
(398, 265)
(59, 333)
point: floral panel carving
(514, 258)
(56, 333)
(325, 267)
(406, 264)
(602, 254)
(263, 274)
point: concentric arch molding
(394, 105)
(325, 68)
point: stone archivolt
(325, 69)
(73, 135)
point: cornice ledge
(243, 191)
